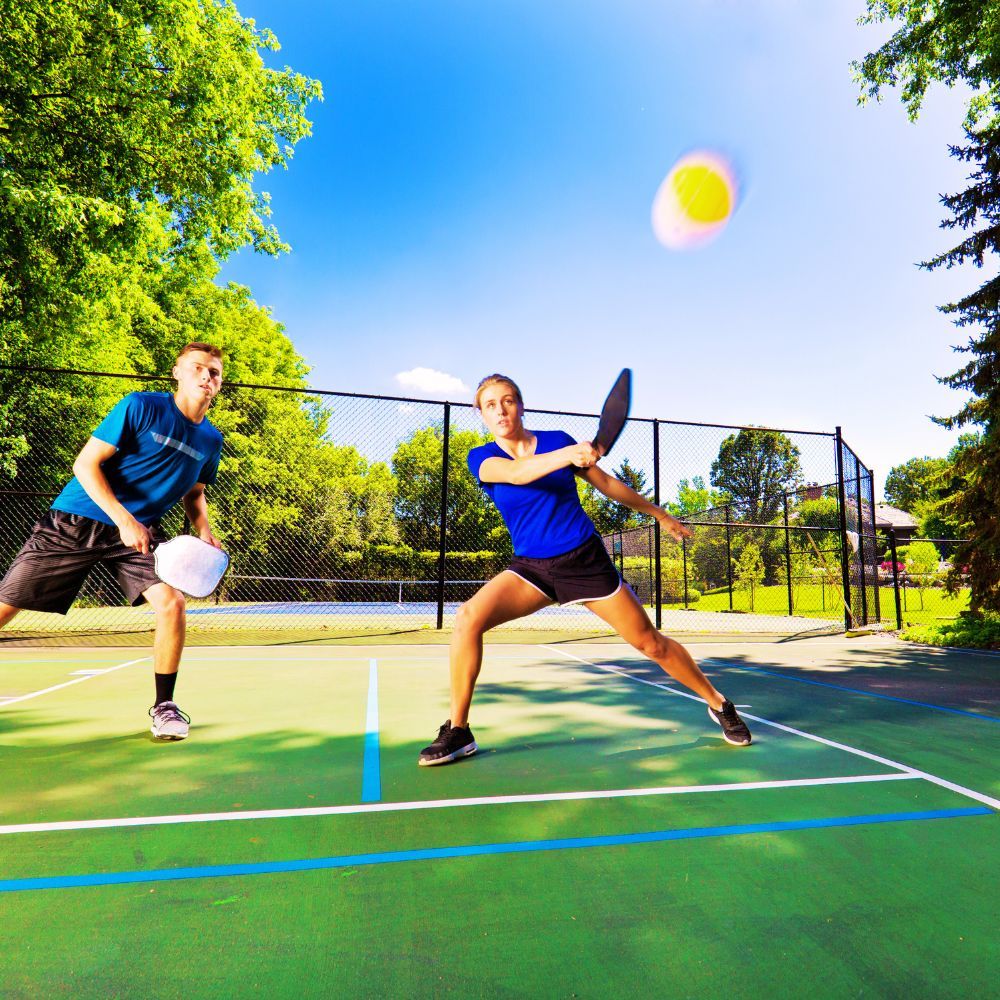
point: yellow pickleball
(695, 201)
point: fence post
(729, 558)
(658, 593)
(788, 556)
(895, 576)
(649, 560)
(684, 553)
(863, 574)
(875, 559)
(444, 514)
(842, 508)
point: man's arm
(615, 489)
(196, 508)
(87, 469)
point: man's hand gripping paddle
(614, 413)
(191, 565)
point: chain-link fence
(913, 576)
(350, 514)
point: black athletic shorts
(585, 573)
(48, 572)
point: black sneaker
(452, 742)
(734, 729)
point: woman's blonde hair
(497, 379)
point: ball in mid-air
(695, 200)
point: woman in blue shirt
(558, 557)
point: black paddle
(614, 413)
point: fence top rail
(330, 579)
(920, 538)
(308, 391)
(752, 524)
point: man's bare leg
(7, 611)
(168, 643)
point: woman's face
(501, 410)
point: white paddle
(190, 565)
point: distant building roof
(893, 517)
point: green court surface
(605, 841)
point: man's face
(199, 375)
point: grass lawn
(811, 600)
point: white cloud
(431, 381)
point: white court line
(436, 658)
(493, 800)
(956, 649)
(914, 772)
(66, 684)
(33, 663)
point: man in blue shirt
(151, 450)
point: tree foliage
(914, 483)
(694, 497)
(947, 41)
(748, 572)
(474, 524)
(756, 467)
(952, 41)
(130, 138)
(106, 109)
(608, 515)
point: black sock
(165, 687)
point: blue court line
(474, 850)
(870, 694)
(371, 778)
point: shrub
(970, 630)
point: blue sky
(476, 197)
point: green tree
(748, 572)
(290, 501)
(913, 484)
(129, 138)
(922, 561)
(693, 497)
(109, 108)
(474, 524)
(608, 515)
(824, 512)
(756, 467)
(707, 550)
(936, 515)
(952, 41)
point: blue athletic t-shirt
(544, 518)
(161, 455)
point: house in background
(902, 524)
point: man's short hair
(197, 345)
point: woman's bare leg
(626, 616)
(503, 599)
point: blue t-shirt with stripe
(545, 517)
(161, 455)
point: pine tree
(975, 504)
(950, 41)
